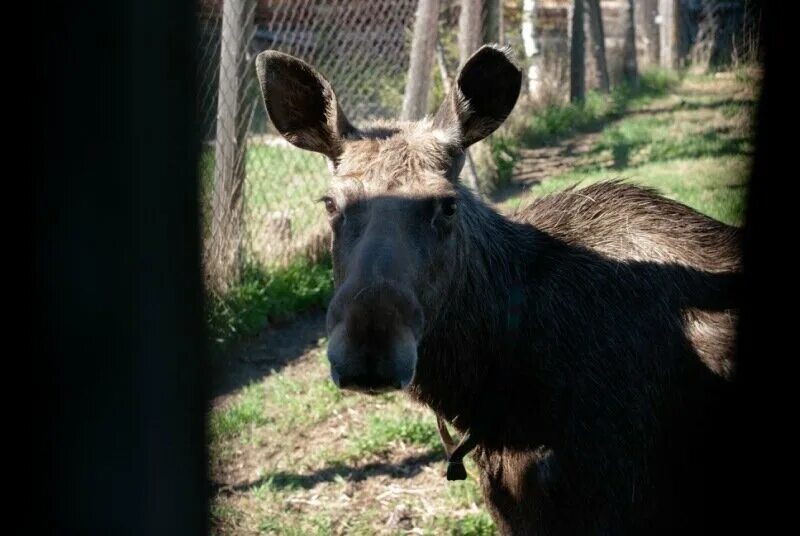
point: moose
(584, 345)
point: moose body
(586, 342)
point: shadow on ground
(539, 163)
(406, 468)
(269, 352)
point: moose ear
(302, 104)
(485, 92)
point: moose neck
(470, 343)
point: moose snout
(373, 334)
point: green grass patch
(279, 179)
(264, 294)
(553, 123)
(658, 138)
(384, 430)
(299, 403)
(314, 524)
(235, 420)
(477, 524)
(714, 186)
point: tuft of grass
(246, 412)
(505, 153)
(654, 139)
(714, 185)
(311, 525)
(382, 431)
(263, 294)
(224, 515)
(302, 403)
(553, 123)
(472, 524)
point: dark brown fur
(587, 341)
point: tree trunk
(647, 31)
(598, 44)
(668, 32)
(223, 259)
(469, 39)
(532, 52)
(469, 28)
(470, 171)
(630, 67)
(577, 54)
(493, 26)
(420, 68)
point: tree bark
(420, 68)
(577, 54)
(668, 32)
(224, 254)
(469, 39)
(470, 170)
(630, 66)
(493, 26)
(647, 31)
(532, 52)
(469, 28)
(598, 44)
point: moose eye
(330, 205)
(449, 206)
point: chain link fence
(259, 192)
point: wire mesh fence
(259, 192)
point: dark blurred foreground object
(763, 459)
(117, 303)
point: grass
(233, 421)
(550, 125)
(281, 180)
(317, 460)
(693, 145)
(383, 433)
(263, 294)
(282, 185)
(534, 126)
(714, 186)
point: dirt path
(536, 165)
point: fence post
(647, 31)
(577, 54)
(423, 44)
(594, 16)
(224, 257)
(532, 52)
(493, 28)
(630, 64)
(668, 33)
(469, 39)
(469, 28)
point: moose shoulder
(586, 343)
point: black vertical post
(117, 303)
